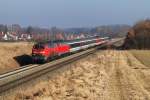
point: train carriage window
(82, 43)
(89, 42)
(75, 45)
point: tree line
(138, 36)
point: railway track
(19, 76)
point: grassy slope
(143, 56)
(10, 50)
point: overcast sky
(73, 13)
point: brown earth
(9, 53)
(107, 75)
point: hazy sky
(73, 13)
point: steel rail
(15, 78)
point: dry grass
(143, 56)
(10, 50)
(103, 76)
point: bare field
(143, 56)
(107, 75)
(8, 52)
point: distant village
(14, 36)
(16, 33)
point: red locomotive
(43, 51)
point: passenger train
(44, 51)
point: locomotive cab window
(52, 44)
(39, 46)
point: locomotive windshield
(39, 46)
